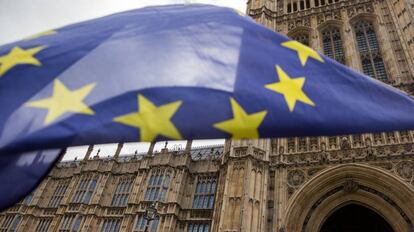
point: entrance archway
(355, 218)
(341, 185)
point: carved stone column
(350, 47)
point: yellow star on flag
(19, 56)
(290, 88)
(304, 52)
(64, 101)
(152, 120)
(243, 125)
(41, 34)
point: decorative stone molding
(296, 178)
(350, 186)
(405, 169)
(358, 9)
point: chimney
(151, 148)
(188, 146)
(88, 152)
(118, 150)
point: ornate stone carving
(296, 178)
(345, 145)
(350, 186)
(405, 169)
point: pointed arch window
(369, 51)
(332, 44)
(302, 37)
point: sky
(22, 18)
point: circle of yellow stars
(153, 120)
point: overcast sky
(22, 18)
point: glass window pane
(87, 197)
(166, 181)
(211, 202)
(195, 202)
(76, 225)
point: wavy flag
(180, 72)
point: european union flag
(180, 72)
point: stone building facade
(361, 182)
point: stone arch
(299, 32)
(329, 190)
(373, 18)
(330, 23)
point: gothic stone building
(361, 182)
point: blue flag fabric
(21, 173)
(181, 72)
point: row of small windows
(196, 227)
(156, 191)
(367, 43)
(58, 194)
(9, 223)
(111, 225)
(84, 191)
(142, 222)
(43, 225)
(157, 187)
(120, 198)
(71, 223)
(204, 193)
(298, 5)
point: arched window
(302, 37)
(369, 51)
(332, 44)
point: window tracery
(369, 50)
(332, 44)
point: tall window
(332, 44)
(204, 193)
(70, 223)
(198, 227)
(111, 225)
(141, 222)
(58, 194)
(43, 225)
(369, 51)
(122, 191)
(85, 191)
(157, 187)
(15, 224)
(302, 37)
(10, 223)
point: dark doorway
(355, 218)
